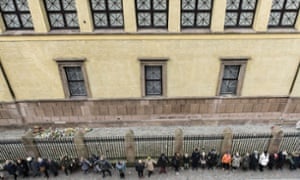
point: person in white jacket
(263, 160)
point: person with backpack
(121, 167)
(195, 159)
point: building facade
(149, 62)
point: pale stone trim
(2, 26)
(85, 20)
(262, 14)
(39, 16)
(218, 16)
(174, 16)
(129, 16)
(297, 24)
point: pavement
(200, 174)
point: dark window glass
(153, 80)
(75, 81)
(230, 79)
(62, 14)
(284, 13)
(240, 13)
(152, 13)
(16, 14)
(196, 13)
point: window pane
(229, 87)
(153, 88)
(74, 73)
(153, 72)
(231, 72)
(77, 88)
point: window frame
(195, 12)
(239, 11)
(154, 62)
(152, 11)
(282, 12)
(242, 62)
(18, 14)
(107, 13)
(62, 63)
(63, 12)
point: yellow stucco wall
(113, 68)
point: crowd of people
(31, 167)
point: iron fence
(12, 149)
(56, 148)
(110, 147)
(290, 142)
(202, 142)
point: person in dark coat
(212, 159)
(271, 160)
(254, 157)
(22, 168)
(245, 162)
(11, 168)
(66, 165)
(105, 166)
(195, 159)
(85, 165)
(139, 167)
(186, 161)
(33, 166)
(280, 160)
(43, 166)
(176, 162)
(53, 167)
(163, 161)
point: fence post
(80, 145)
(179, 141)
(30, 146)
(227, 141)
(130, 146)
(277, 135)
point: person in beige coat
(149, 164)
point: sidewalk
(216, 174)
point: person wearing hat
(149, 164)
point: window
(284, 13)
(74, 78)
(231, 76)
(240, 13)
(153, 74)
(196, 13)
(107, 13)
(16, 14)
(62, 14)
(152, 13)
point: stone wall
(180, 111)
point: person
(236, 161)
(226, 160)
(212, 159)
(22, 168)
(195, 159)
(176, 162)
(121, 167)
(263, 160)
(85, 165)
(43, 166)
(203, 160)
(33, 166)
(149, 164)
(66, 165)
(272, 158)
(53, 167)
(11, 168)
(279, 161)
(290, 160)
(105, 166)
(139, 167)
(254, 157)
(163, 162)
(186, 161)
(246, 161)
